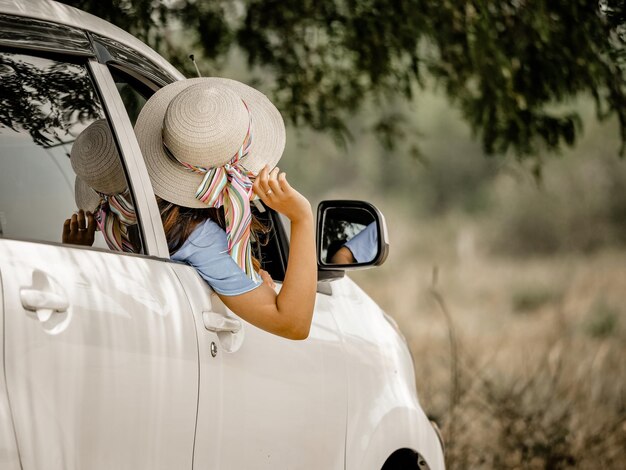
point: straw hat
(86, 198)
(203, 122)
(95, 159)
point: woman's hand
(79, 230)
(276, 193)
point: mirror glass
(349, 236)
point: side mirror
(350, 235)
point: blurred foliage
(511, 67)
(602, 320)
(531, 298)
(510, 64)
(578, 208)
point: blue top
(364, 244)
(206, 249)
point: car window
(57, 153)
(134, 92)
(270, 248)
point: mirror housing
(351, 235)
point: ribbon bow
(230, 186)
(113, 216)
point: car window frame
(112, 52)
(87, 62)
(150, 223)
(33, 34)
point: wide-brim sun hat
(86, 198)
(203, 122)
(96, 161)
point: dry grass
(545, 389)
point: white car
(129, 361)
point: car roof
(55, 12)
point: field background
(511, 290)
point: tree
(512, 67)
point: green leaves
(512, 67)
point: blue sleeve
(206, 249)
(364, 244)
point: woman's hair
(179, 222)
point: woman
(211, 145)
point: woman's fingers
(265, 181)
(65, 237)
(91, 224)
(260, 182)
(284, 184)
(274, 186)
(266, 184)
(74, 223)
(255, 185)
(81, 220)
(259, 177)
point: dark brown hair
(179, 222)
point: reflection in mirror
(350, 236)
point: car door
(100, 347)
(283, 402)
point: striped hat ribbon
(113, 216)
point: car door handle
(219, 323)
(43, 303)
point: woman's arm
(343, 256)
(289, 313)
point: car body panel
(30, 33)
(117, 370)
(9, 456)
(286, 400)
(383, 411)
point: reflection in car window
(45, 106)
